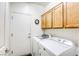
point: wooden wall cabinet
(46, 20)
(53, 18)
(43, 17)
(64, 15)
(58, 16)
(49, 19)
(71, 14)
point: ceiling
(40, 3)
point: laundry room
(39, 28)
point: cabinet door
(43, 52)
(49, 19)
(43, 21)
(58, 16)
(72, 14)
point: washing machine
(58, 47)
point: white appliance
(54, 46)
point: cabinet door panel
(43, 21)
(49, 20)
(72, 9)
(58, 16)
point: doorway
(20, 34)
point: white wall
(4, 24)
(2, 18)
(70, 34)
(32, 9)
(7, 25)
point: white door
(20, 32)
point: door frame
(10, 38)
